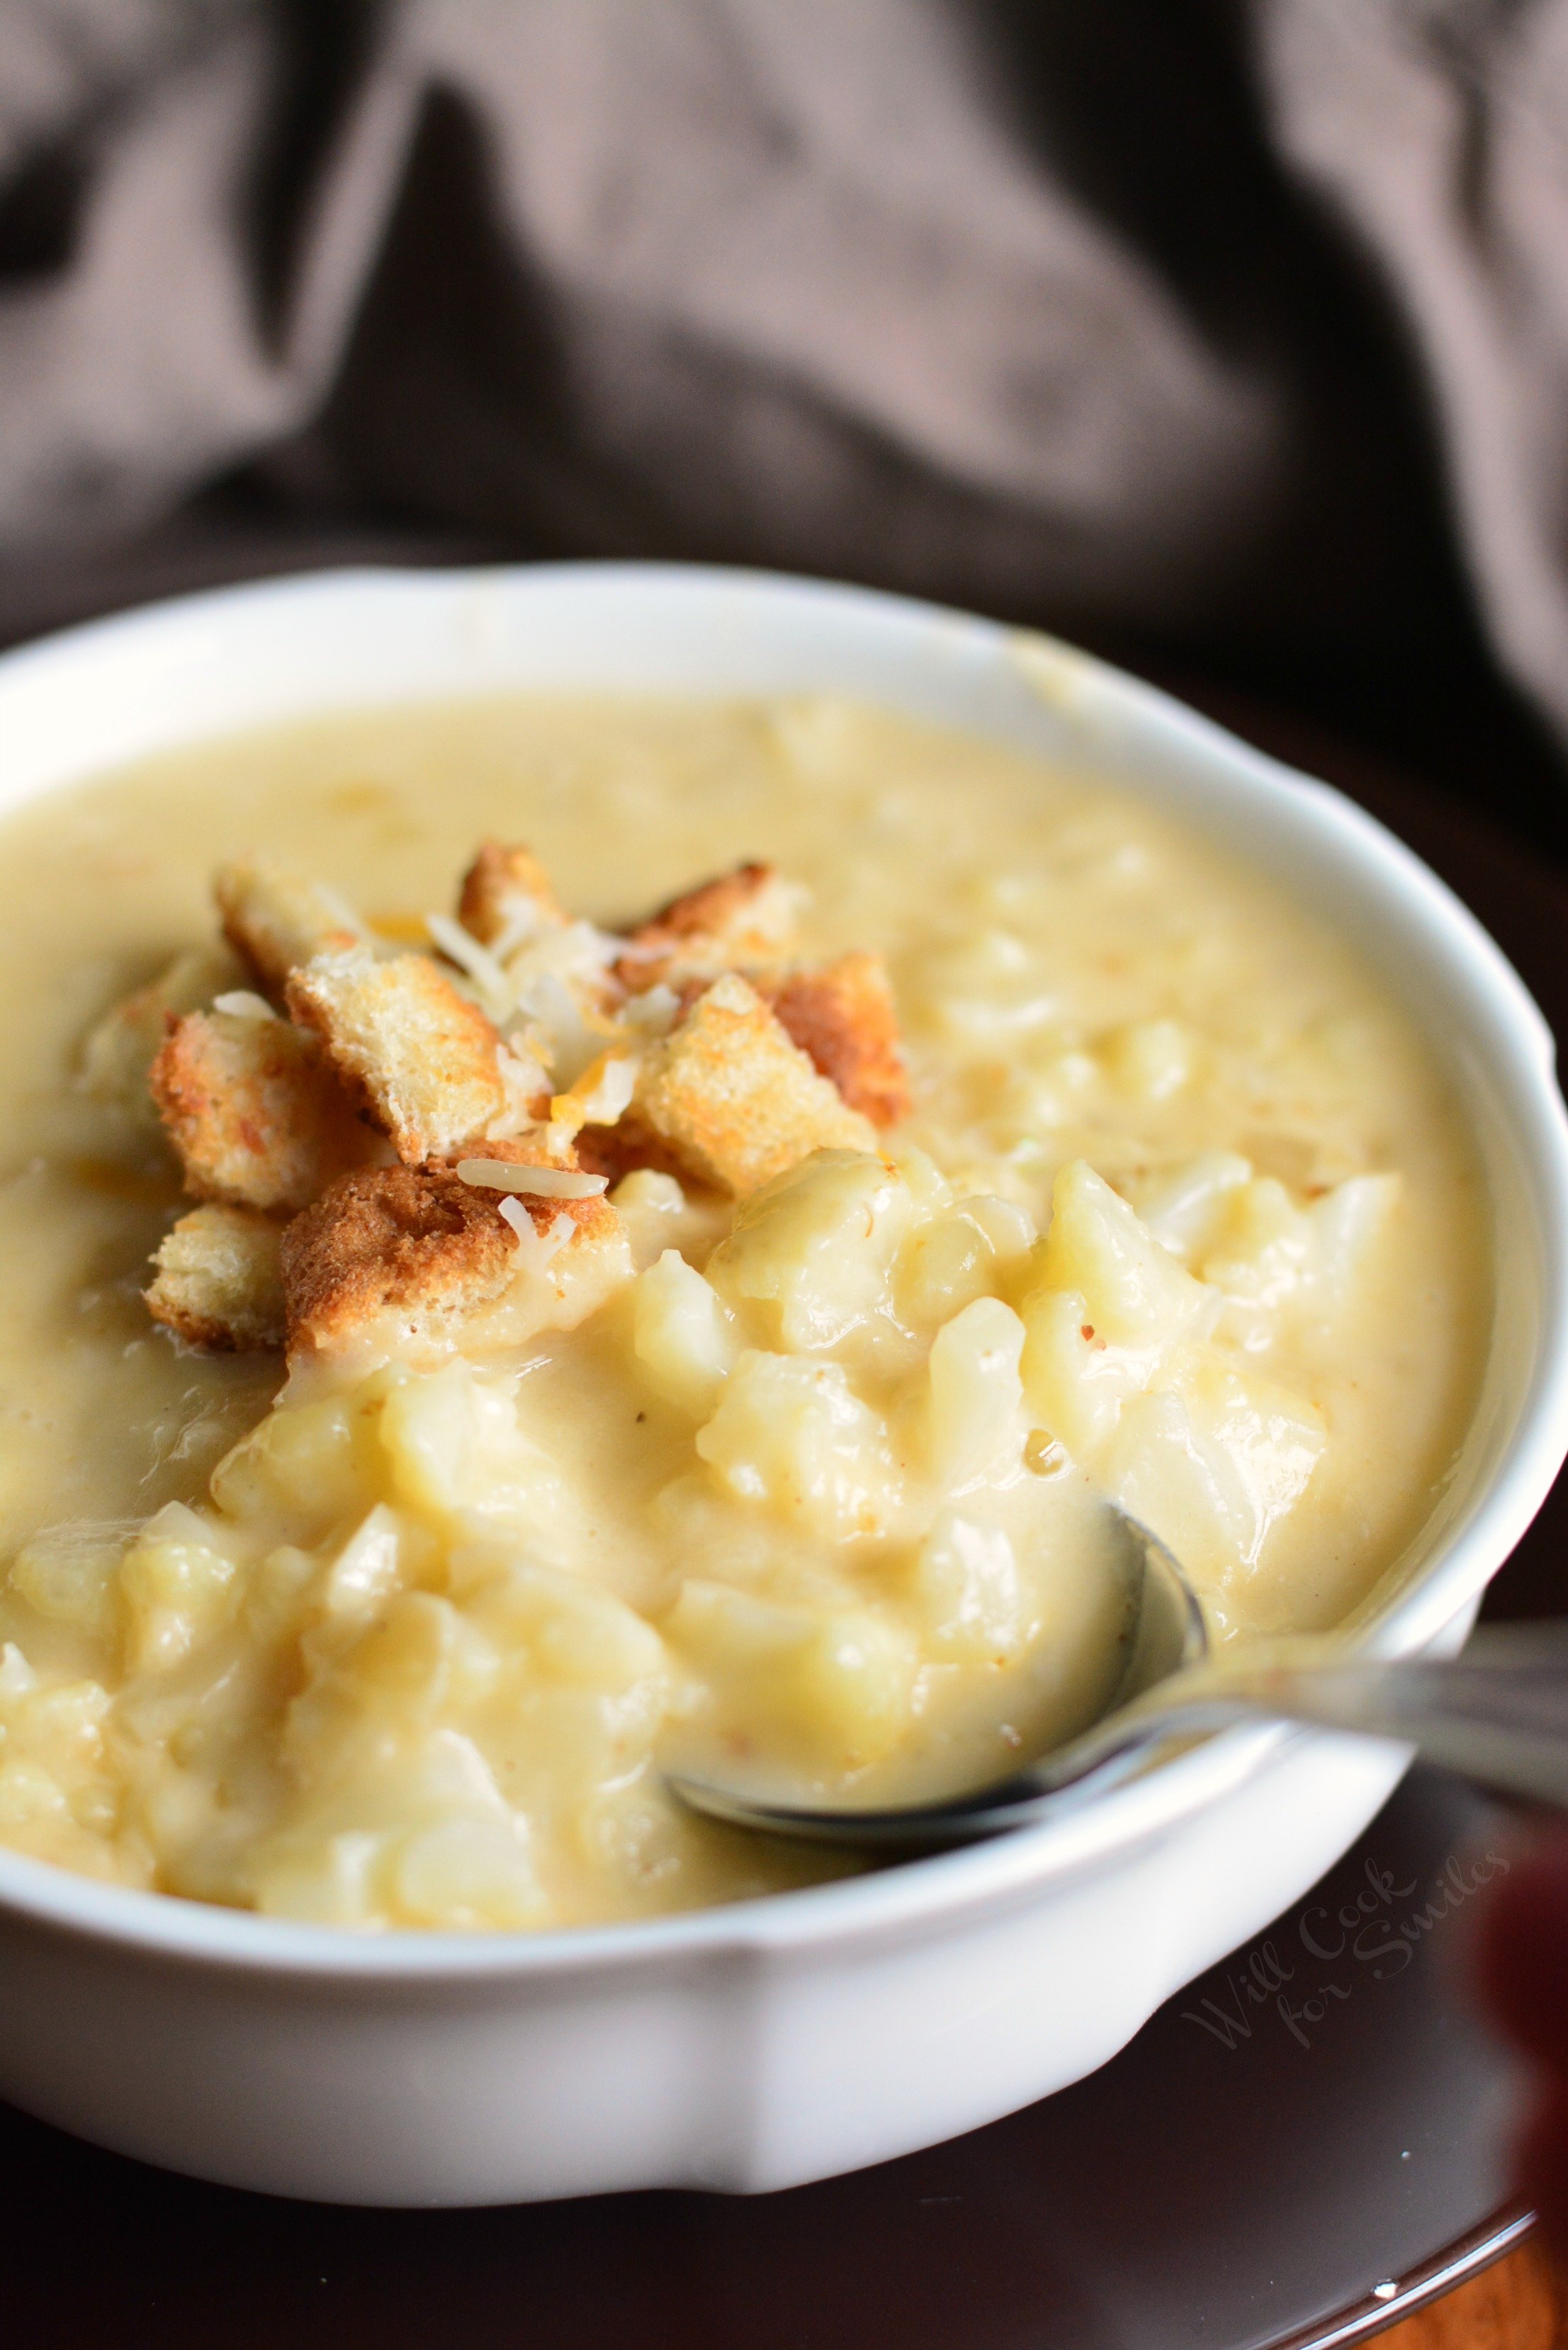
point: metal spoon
(1499, 1714)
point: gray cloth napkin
(1210, 320)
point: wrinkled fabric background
(1233, 328)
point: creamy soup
(802, 1478)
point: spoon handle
(1498, 1713)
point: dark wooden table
(1518, 2305)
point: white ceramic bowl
(783, 2039)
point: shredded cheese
(541, 1246)
(240, 1004)
(460, 947)
(538, 1182)
(523, 1075)
(571, 1036)
(574, 951)
(601, 1095)
(525, 921)
(655, 1010)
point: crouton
(276, 921)
(631, 1145)
(429, 1067)
(415, 1263)
(254, 1111)
(506, 897)
(217, 1283)
(842, 1014)
(734, 1099)
(533, 1146)
(747, 916)
(120, 1052)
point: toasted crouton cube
(427, 1064)
(734, 1099)
(842, 1014)
(632, 1147)
(533, 1146)
(120, 1051)
(276, 920)
(507, 898)
(254, 1111)
(745, 917)
(415, 1263)
(217, 1283)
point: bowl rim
(947, 1887)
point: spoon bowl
(1163, 1633)
(1499, 1714)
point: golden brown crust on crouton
(616, 1150)
(386, 1236)
(714, 909)
(254, 1111)
(842, 1014)
(276, 921)
(217, 1283)
(533, 1146)
(426, 1064)
(120, 1052)
(416, 1253)
(746, 915)
(502, 886)
(735, 1100)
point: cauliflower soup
(552, 1238)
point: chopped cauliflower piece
(1269, 1256)
(1185, 1210)
(974, 1394)
(838, 1683)
(1077, 1382)
(1133, 1363)
(965, 1252)
(1344, 1222)
(1109, 1306)
(794, 1435)
(1150, 1059)
(815, 1247)
(969, 1592)
(1135, 1294)
(682, 1334)
(1213, 1468)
